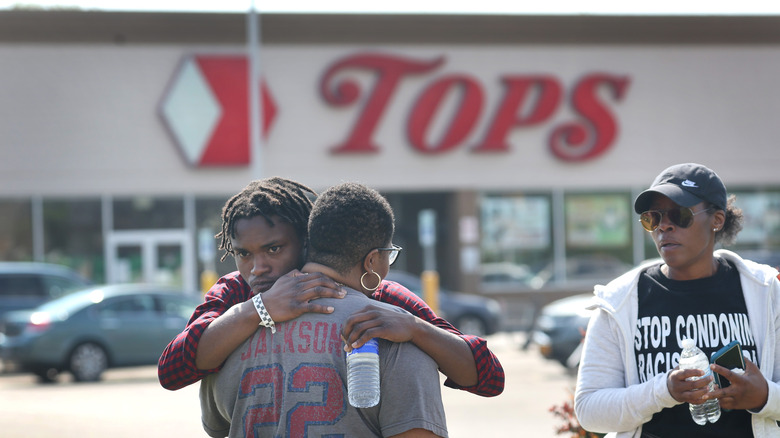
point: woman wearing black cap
(628, 381)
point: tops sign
(206, 109)
(578, 140)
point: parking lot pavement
(533, 386)
(130, 402)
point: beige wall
(81, 117)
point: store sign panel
(207, 111)
(206, 108)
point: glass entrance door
(151, 256)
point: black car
(471, 314)
(560, 329)
(24, 285)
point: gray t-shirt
(293, 383)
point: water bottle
(363, 375)
(693, 358)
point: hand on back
(377, 322)
(295, 293)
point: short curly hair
(727, 235)
(347, 222)
(267, 197)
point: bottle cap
(372, 346)
(688, 343)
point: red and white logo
(206, 109)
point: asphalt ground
(130, 403)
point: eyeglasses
(680, 216)
(393, 252)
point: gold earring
(379, 281)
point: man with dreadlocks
(264, 227)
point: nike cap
(687, 185)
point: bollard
(430, 286)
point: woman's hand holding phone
(737, 390)
(729, 357)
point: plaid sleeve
(490, 373)
(176, 366)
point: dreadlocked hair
(267, 197)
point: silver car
(90, 330)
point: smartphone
(728, 357)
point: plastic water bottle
(693, 358)
(363, 375)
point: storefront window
(519, 239)
(598, 236)
(73, 236)
(761, 229)
(16, 240)
(759, 239)
(516, 240)
(145, 212)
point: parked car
(91, 330)
(560, 329)
(469, 313)
(25, 285)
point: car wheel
(472, 325)
(87, 362)
(46, 375)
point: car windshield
(73, 302)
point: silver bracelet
(265, 318)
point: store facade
(124, 133)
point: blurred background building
(123, 133)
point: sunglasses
(393, 252)
(680, 216)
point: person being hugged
(288, 379)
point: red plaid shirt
(176, 367)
